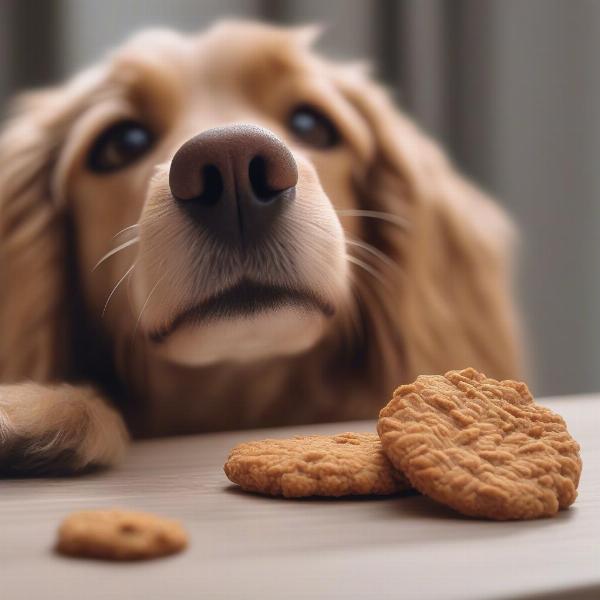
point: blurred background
(510, 87)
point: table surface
(247, 546)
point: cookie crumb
(119, 535)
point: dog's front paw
(57, 429)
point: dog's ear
(34, 329)
(453, 306)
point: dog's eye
(119, 145)
(313, 128)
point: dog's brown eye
(313, 128)
(119, 146)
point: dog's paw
(57, 430)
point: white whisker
(115, 250)
(137, 323)
(369, 269)
(116, 287)
(125, 229)
(376, 214)
(374, 251)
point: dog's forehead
(246, 58)
(228, 48)
(247, 39)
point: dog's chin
(281, 332)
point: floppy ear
(454, 304)
(34, 335)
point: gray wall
(520, 109)
(544, 156)
(90, 27)
(512, 87)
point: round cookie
(481, 446)
(319, 465)
(119, 535)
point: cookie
(339, 465)
(119, 535)
(481, 446)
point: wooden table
(245, 546)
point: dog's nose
(234, 181)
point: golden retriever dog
(228, 231)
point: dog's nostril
(212, 185)
(257, 174)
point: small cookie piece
(316, 465)
(119, 535)
(481, 446)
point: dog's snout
(234, 181)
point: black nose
(234, 181)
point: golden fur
(420, 281)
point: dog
(226, 231)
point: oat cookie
(119, 535)
(318, 465)
(481, 446)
